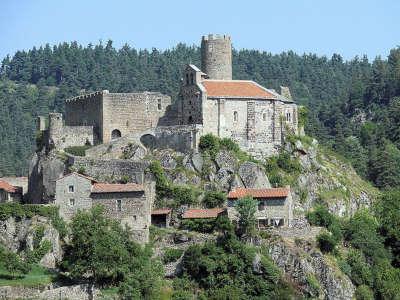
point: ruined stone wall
(109, 170)
(80, 196)
(135, 211)
(132, 112)
(216, 56)
(86, 110)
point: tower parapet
(216, 56)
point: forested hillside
(354, 106)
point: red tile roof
(161, 211)
(4, 185)
(202, 213)
(259, 193)
(116, 188)
(236, 89)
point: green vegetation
(224, 270)
(282, 169)
(37, 276)
(29, 210)
(172, 255)
(246, 208)
(101, 251)
(77, 150)
(214, 199)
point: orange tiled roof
(4, 185)
(236, 88)
(259, 193)
(161, 211)
(202, 213)
(116, 188)
(80, 175)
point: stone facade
(76, 192)
(113, 115)
(271, 211)
(253, 116)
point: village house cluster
(210, 101)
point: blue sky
(350, 28)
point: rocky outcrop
(253, 175)
(51, 292)
(18, 235)
(310, 270)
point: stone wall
(216, 56)
(70, 202)
(132, 112)
(109, 170)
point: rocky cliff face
(18, 236)
(313, 273)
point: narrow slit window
(71, 188)
(235, 116)
(119, 205)
(159, 106)
(71, 202)
(264, 116)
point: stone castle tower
(216, 56)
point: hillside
(352, 105)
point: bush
(209, 143)
(171, 255)
(37, 254)
(214, 199)
(199, 225)
(364, 292)
(320, 216)
(77, 150)
(360, 271)
(229, 145)
(326, 242)
(183, 195)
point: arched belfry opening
(115, 134)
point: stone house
(275, 206)
(129, 203)
(252, 115)
(10, 193)
(161, 217)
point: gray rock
(224, 178)
(253, 176)
(224, 159)
(167, 161)
(236, 183)
(181, 238)
(197, 161)
(186, 161)
(180, 179)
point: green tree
(246, 208)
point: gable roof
(80, 175)
(116, 188)
(237, 89)
(259, 193)
(202, 213)
(4, 185)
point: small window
(264, 117)
(119, 205)
(235, 116)
(71, 188)
(288, 117)
(159, 106)
(134, 218)
(191, 78)
(190, 119)
(71, 202)
(187, 79)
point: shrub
(199, 225)
(77, 150)
(209, 143)
(39, 234)
(183, 195)
(326, 242)
(171, 255)
(214, 199)
(37, 254)
(364, 292)
(360, 271)
(229, 145)
(320, 216)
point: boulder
(224, 159)
(224, 178)
(168, 161)
(197, 161)
(253, 176)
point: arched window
(235, 116)
(159, 106)
(115, 134)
